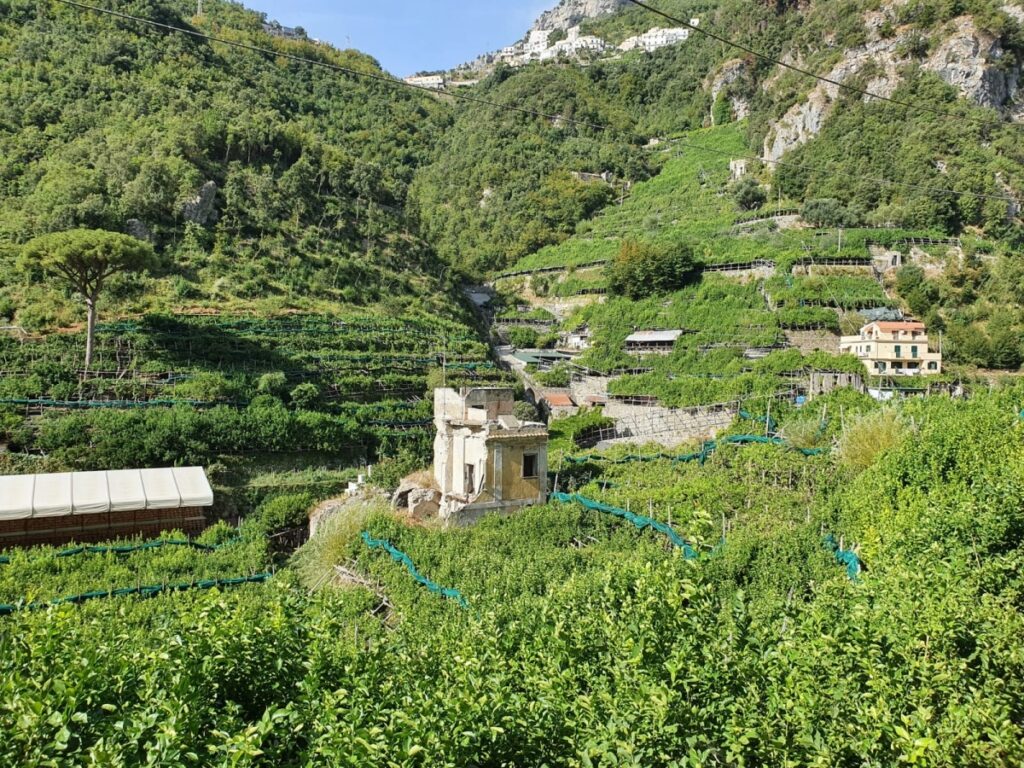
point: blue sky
(408, 36)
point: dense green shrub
(305, 396)
(748, 194)
(280, 513)
(640, 270)
(525, 411)
(523, 338)
(829, 212)
(588, 639)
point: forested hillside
(828, 581)
(256, 179)
(294, 317)
(954, 63)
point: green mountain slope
(961, 286)
(296, 319)
(256, 178)
(940, 57)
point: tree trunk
(90, 330)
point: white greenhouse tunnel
(84, 493)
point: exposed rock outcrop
(424, 503)
(970, 60)
(569, 13)
(400, 498)
(203, 207)
(729, 73)
(1015, 10)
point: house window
(899, 351)
(880, 366)
(933, 366)
(470, 478)
(529, 465)
(913, 352)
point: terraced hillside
(590, 635)
(247, 394)
(763, 278)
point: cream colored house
(893, 349)
(437, 82)
(485, 459)
(656, 38)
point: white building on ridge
(656, 38)
(574, 44)
(437, 82)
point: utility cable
(328, 65)
(780, 63)
(500, 105)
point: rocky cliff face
(967, 58)
(974, 63)
(569, 13)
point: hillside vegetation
(266, 182)
(640, 97)
(295, 317)
(587, 642)
(827, 583)
(962, 287)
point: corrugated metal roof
(539, 355)
(84, 493)
(654, 337)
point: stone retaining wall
(669, 427)
(589, 386)
(809, 341)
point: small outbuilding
(97, 506)
(557, 404)
(577, 340)
(652, 342)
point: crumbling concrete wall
(670, 427)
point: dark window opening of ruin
(529, 465)
(470, 478)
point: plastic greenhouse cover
(16, 496)
(83, 493)
(126, 491)
(193, 486)
(52, 497)
(89, 494)
(161, 490)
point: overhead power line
(271, 52)
(325, 65)
(792, 67)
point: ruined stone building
(485, 459)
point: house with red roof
(894, 349)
